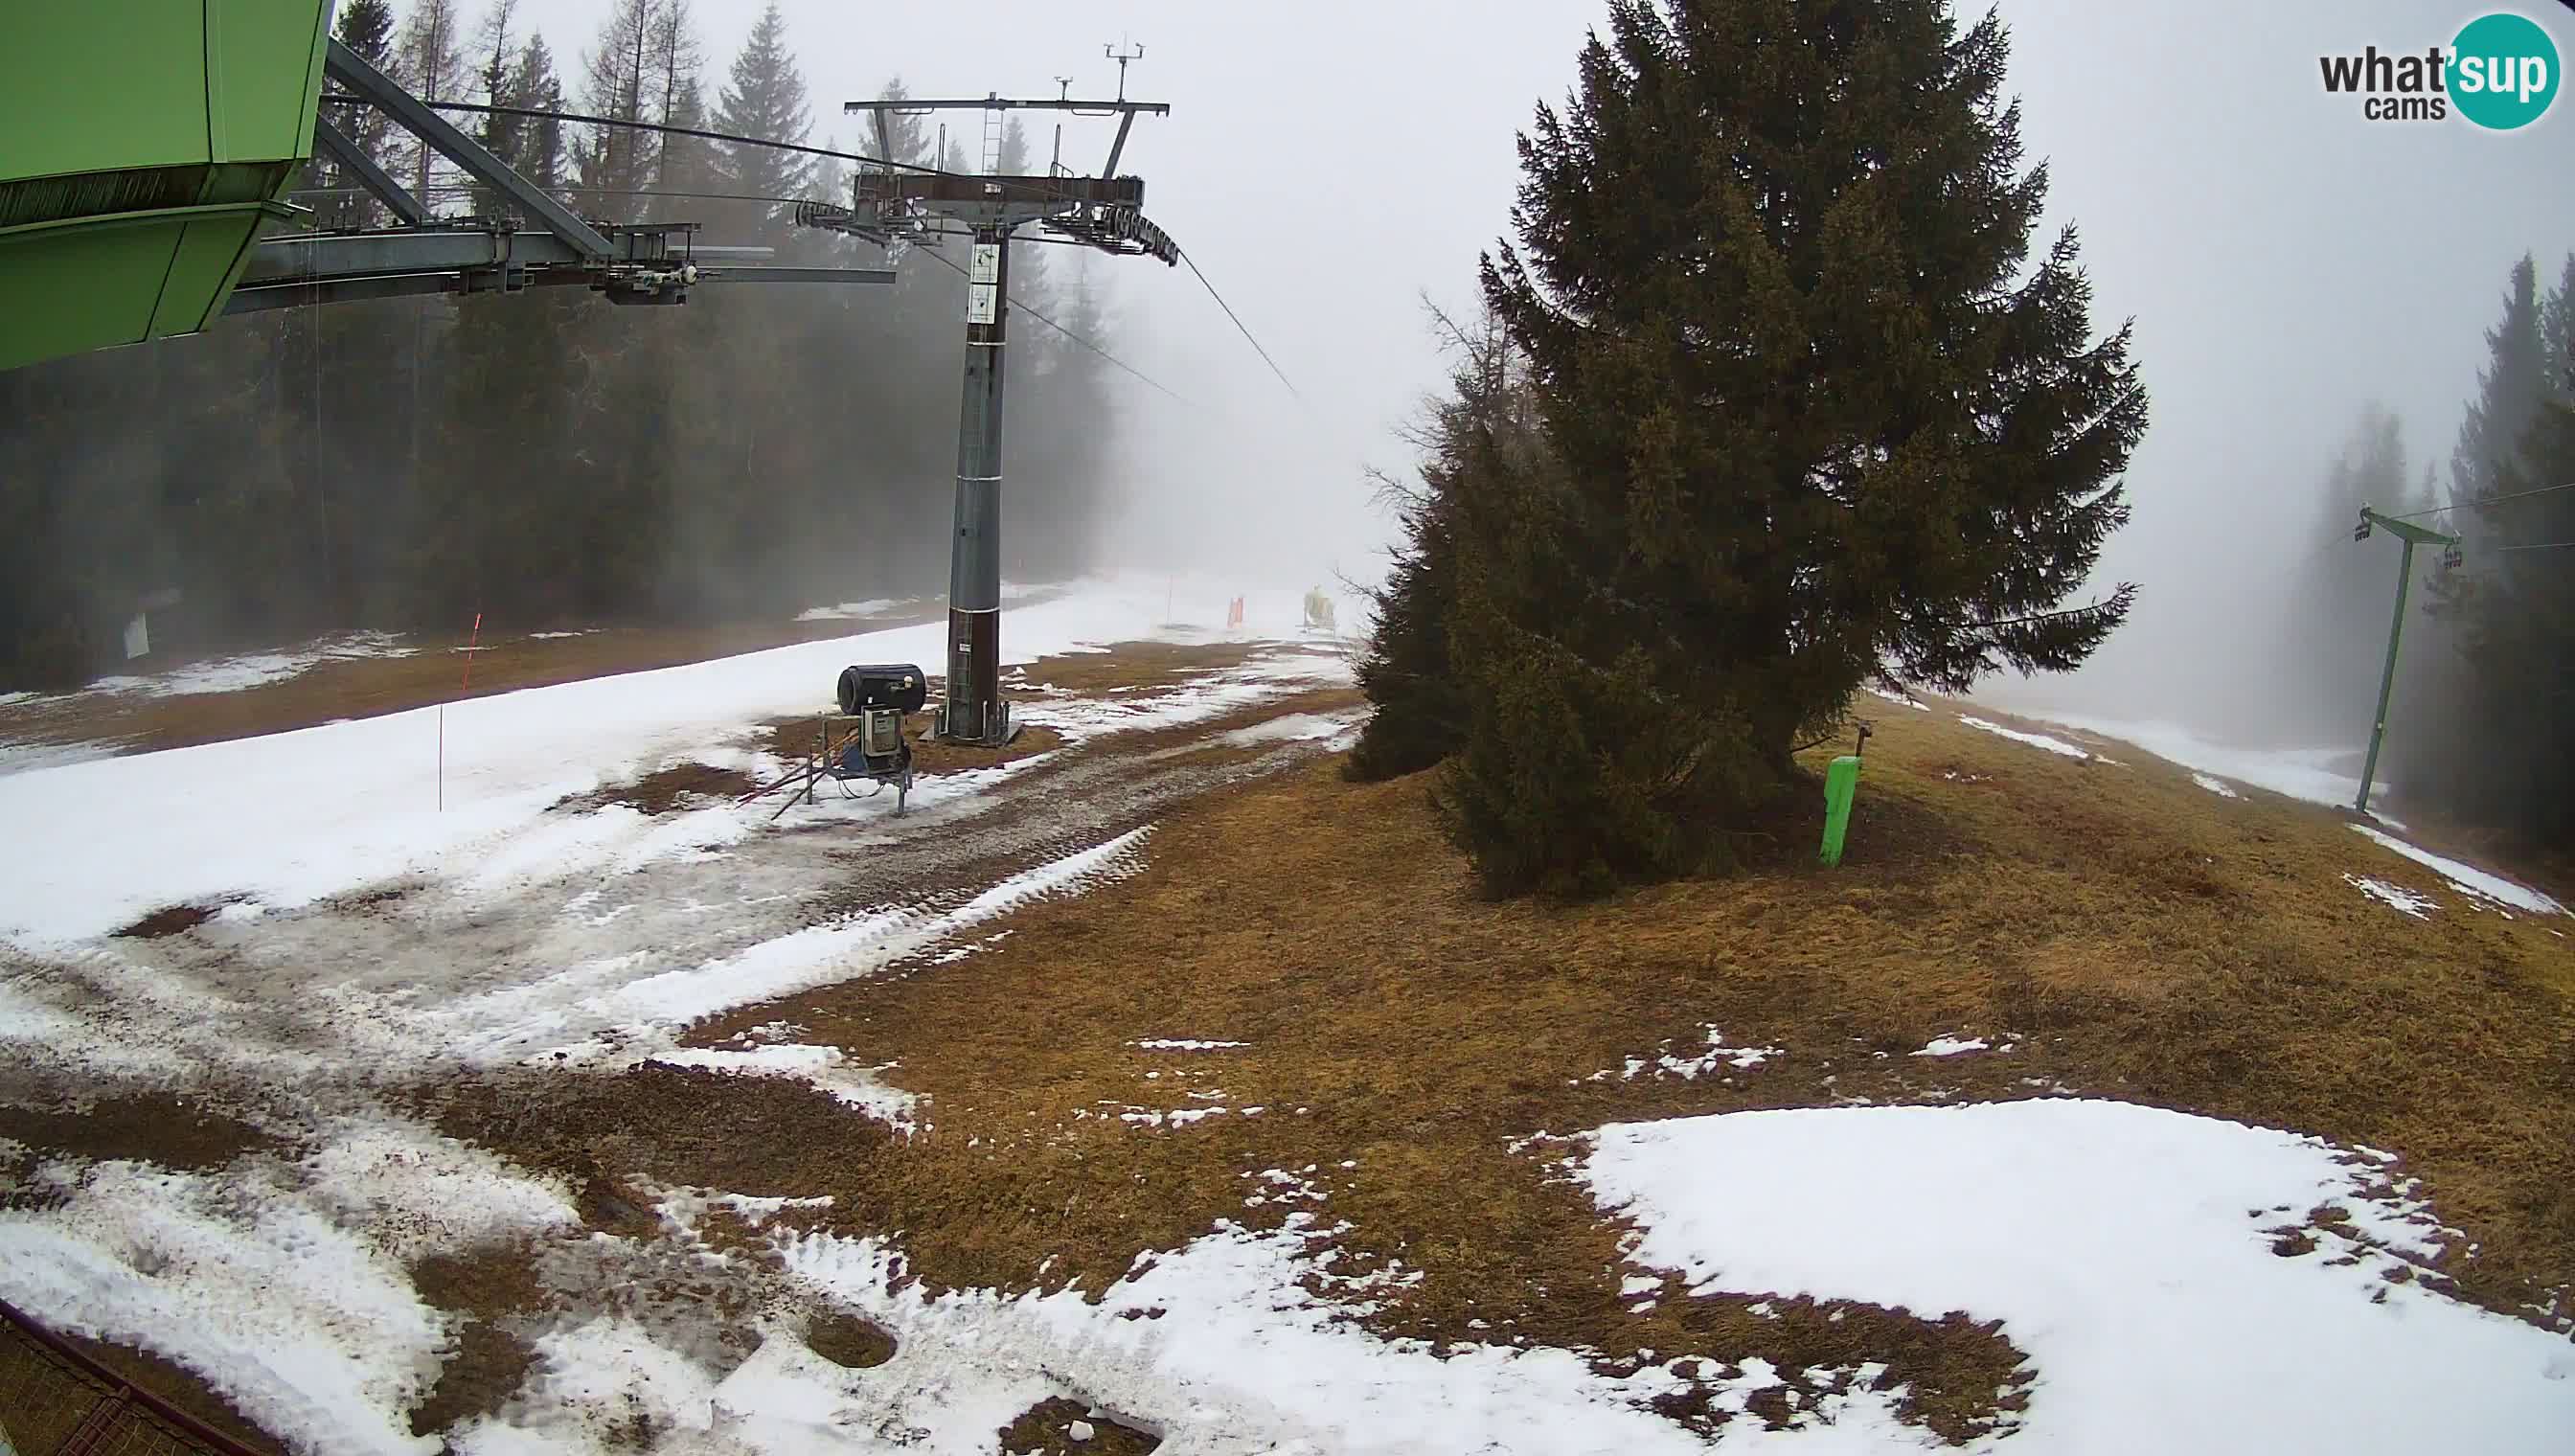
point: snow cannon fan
(877, 696)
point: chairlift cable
(2489, 501)
(541, 114)
(1041, 316)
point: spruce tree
(367, 27)
(2508, 389)
(2492, 748)
(763, 97)
(1815, 415)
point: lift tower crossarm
(2405, 530)
(378, 90)
(1012, 103)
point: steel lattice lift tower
(895, 209)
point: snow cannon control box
(897, 685)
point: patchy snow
(1899, 698)
(1299, 665)
(1662, 1063)
(2113, 1242)
(612, 1013)
(826, 1069)
(1289, 727)
(18, 758)
(2318, 775)
(1243, 1359)
(2478, 885)
(1952, 1046)
(555, 635)
(2219, 787)
(251, 670)
(1168, 1044)
(283, 1286)
(874, 606)
(291, 817)
(1213, 696)
(2035, 740)
(2421, 906)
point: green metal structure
(2413, 535)
(143, 146)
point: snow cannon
(897, 685)
(877, 696)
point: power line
(2489, 501)
(541, 114)
(1239, 323)
(2537, 545)
(1068, 333)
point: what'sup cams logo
(2501, 72)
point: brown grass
(2141, 938)
(166, 921)
(155, 1127)
(493, 1292)
(1047, 1427)
(680, 785)
(1135, 668)
(848, 1340)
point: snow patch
(251, 670)
(283, 1286)
(2478, 885)
(1897, 697)
(2037, 741)
(1240, 1358)
(2219, 787)
(1168, 1043)
(2405, 901)
(2318, 775)
(1288, 727)
(874, 606)
(1952, 1046)
(2113, 1242)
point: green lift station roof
(142, 146)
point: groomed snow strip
(291, 817)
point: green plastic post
(1842, 783)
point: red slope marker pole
(470, 648)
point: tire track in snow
(356, 993)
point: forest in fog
(548, 457)
(2484, 708)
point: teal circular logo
(2503, 71)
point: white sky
(1327, 162)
